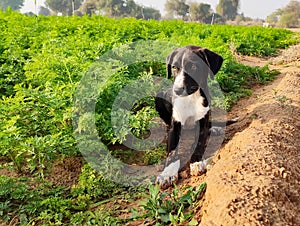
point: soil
(65, 172)
(255, 177)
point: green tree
(110, 8)
(119, 8)
(273, 17)
(44, 11)
(288, 16)
(13, 4)
(63, 6)
(113, 8)
(176, 8)
(288, 20)
(228, 9)
(150, 13)
(218, 19)
(131, 9)
(200, 12)
(89, 7)
(235, 3)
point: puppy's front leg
(169, 175)
(173, 137)
(198, 165)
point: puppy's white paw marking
(198, 168)
(169, 175)
(216, 131)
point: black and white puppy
(186, 106)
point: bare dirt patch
(255, 178)
(7, 171)
(65, 172)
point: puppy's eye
(194, 67)
(174, 68)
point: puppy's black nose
(179, 91)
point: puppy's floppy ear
(214, 61)
(169, 62)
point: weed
(154, 156)
(175, 207)
(33, 201)
(282, 100)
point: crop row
(44, 58)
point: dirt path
(255, 179)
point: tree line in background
(289, 16)
(110, 8)
(13, 4)
(202, 12)
(119, 8)
(226, 10)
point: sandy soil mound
(255, 179)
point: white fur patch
(189, 109)
(171, 169)
(217, 131)
(179, 80)
(198, 168)
(169, 175)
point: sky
(251, 8)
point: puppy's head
(190, 66)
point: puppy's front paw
(169, 176)
(168, 181)
(198, 168)
(217, 131)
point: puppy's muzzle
(180, 91)
(183, 91)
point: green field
(42, 61)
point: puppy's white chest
(189, 109)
